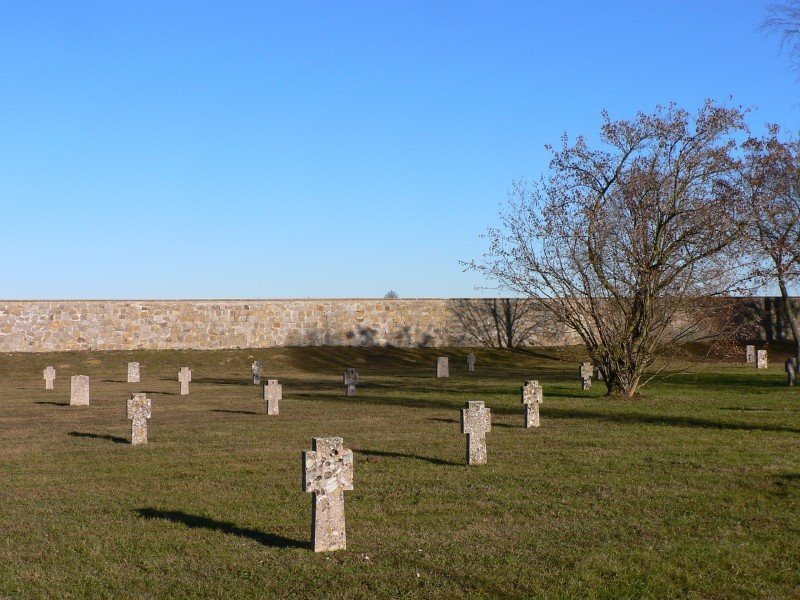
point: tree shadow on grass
(433, 461)
(235, 412)
(671, 420)
(97, 436)
(54, 403)
(196, 521)
(226, 381)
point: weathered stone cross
(761, 359)
(476, 422)
(350, 381)
(531, 398)
(328, 473)
(79, 390)
(471, 362)
(185, 376)
(749, 354)
(139, 410)
(273, 394)
(133, 372)
(791, 370)
(442, 366)
(587, 370)
(257, 372)
(49, 378)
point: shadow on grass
(749, 409)
(97, 436)
(160, 393)
(433, 461)
(114, 381)
(196, 521)
(54, 403)
(671, 420)
(235, 412)
(225, 381)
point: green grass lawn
(692, 490)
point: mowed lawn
(692, 490)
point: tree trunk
(788, 311)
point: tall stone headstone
(442, 366)
(327, 474)
(185, 376)
(49, 377)
(350, 379)
(139, 410)
(531, 398)
(749, 354)
(791, 370)
(133, 372)
(273, 394)
(761, 359)
(257, 372)
(471, 362)
(476, 422)
(79, 390)
(586, 372)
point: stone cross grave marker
(791, 370)
(350, 379)
(139, 410)
(273, 394)
(749, 354)
(476, 422)
(133, 372)
(185, 376)
(328, 473)
(79, 390)
(442, 366)
(587, 370)
(531, 398)
(471, 362)
(257, 372)
(761, 359)
(49, 378)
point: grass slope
(692, 490)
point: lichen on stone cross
(327, 474)
(185, 376)
(133, 372)
(139, 410)
(531, 398)
(273, 394)
(49, 378)
(587, 370)
(442, 366)
(761, 359)
(350, 379)
(79, 390)
(476, 422)
(257, 372)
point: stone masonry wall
(43, 326)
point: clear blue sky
(324, 149)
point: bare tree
(625, 244)
(496, 322)
(391, 295)
(784, 19)
(771, 178)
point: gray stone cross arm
(476, 419)
(328, 467)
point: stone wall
(43, 326)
